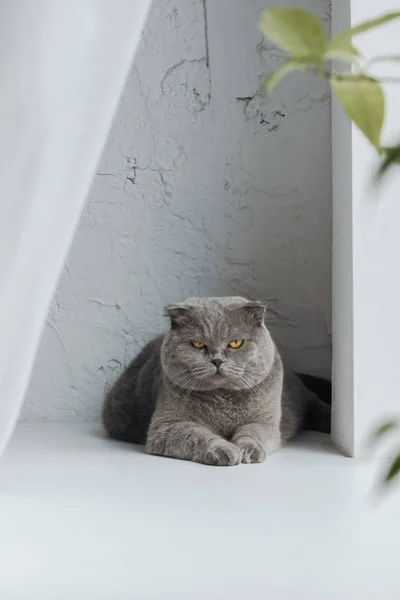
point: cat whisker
(249, 381)
(185, 377)
(189, 391)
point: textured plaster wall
(203, 189)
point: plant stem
(353, 76)
(379, 59)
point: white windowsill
(83, 517)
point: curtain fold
(63, 66)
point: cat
(213, 389)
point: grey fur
(240, 412)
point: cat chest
(226, 416)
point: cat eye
(235, 344)
(198, 345)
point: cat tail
(319, 386)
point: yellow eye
(198, 345)
(236, 344)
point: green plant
(381, 432)
(301, 35)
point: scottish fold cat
(213, 389)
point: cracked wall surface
(203, 189)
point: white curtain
(63, 65)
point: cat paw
(251, 451)
(156, 446)
(223, 455)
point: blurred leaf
(338, 49)
(371, 24)
(362, 100)
(297, 31)
(380, 59)
(383, 429)
(347, 34)
(394, 469)
(391, 156)
(342, 55)
(276, 76)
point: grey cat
(213, 389)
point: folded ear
(178, 315)
(254, 312)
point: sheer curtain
(63, 65)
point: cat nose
(217, 362)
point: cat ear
(254, 312)
(177, 314)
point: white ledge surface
(83, 517)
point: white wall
(366, 297)
(203, 189)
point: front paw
(222, 454)
(156, 445)
(252, 452)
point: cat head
(217, 343)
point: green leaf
(342, 55)
(362, 100)
(394, 469)
(347, 34)
(276, 76)
(380, 59)
(370, 24)
(383, 429)
(338, 49)
(391, 156)
(297, 31)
